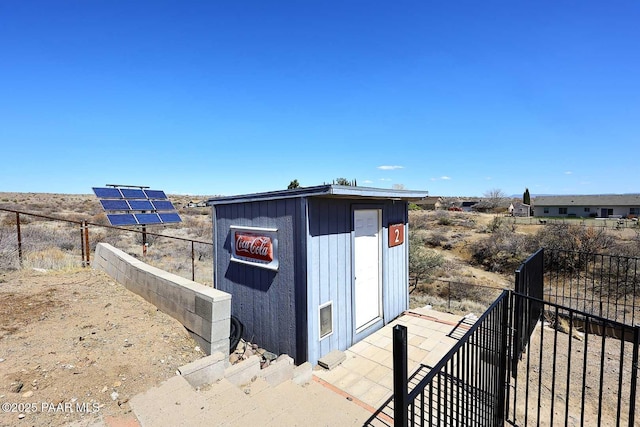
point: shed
(313, 269)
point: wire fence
(30, 240)
(460, 291)
(613, 223)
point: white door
(367, 242)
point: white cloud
(568, 173)
(385, 179)
(367, 181)
(390, 168)
(445, 178)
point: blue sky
(204, 97)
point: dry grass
(56, 245)
(459, 287)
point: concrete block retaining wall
(204, 311)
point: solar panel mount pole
(144, 240)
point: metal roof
(589, 200)
(330, 190)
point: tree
(293, 184)
(423, 262)
(526, 197)
(492, 200)
(345, 181)
(399, 187)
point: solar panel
(122, 219)
(169, 217)
(137, 205)
(163, 205)
(133, 193)
(148, 218)
(114, 205)
(155, 194)
(140, 205)
(107, 193)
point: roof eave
(330, 190)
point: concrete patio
(367, 373)
(355, 393)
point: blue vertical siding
(396, 273)
(330, 274)
(279, 309)
(266, 302)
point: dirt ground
(586, 354)
(75, 346)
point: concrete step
(176, 403)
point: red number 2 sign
(396, 235)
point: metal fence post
(193, 263)
(400, 376)
(501, 408)
(82, 225)
(19, 238)
(634, 376)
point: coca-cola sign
(254, 246)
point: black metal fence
(467, 386)
(532, 361)
(603, 285)
(528, 281)
(577, 369)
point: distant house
(467, 205)
(430, 203)
(519, 209)
(594, 206)
(197, 204)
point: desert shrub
(50, 259)
(574, 238)
(423, 262)
(468, 223)
(8, 248)
(460, 291)
(10, 219)
(495, 225)
(203, 252)
(447, 305)
(198, 227)
(418, 220)
(502, 251)
(186, 212)
(35, 206)
(151, 239)
(435, 239)
(443, 218)
(48, 237)
(99, 218)
(74, 217)
(104, 235)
